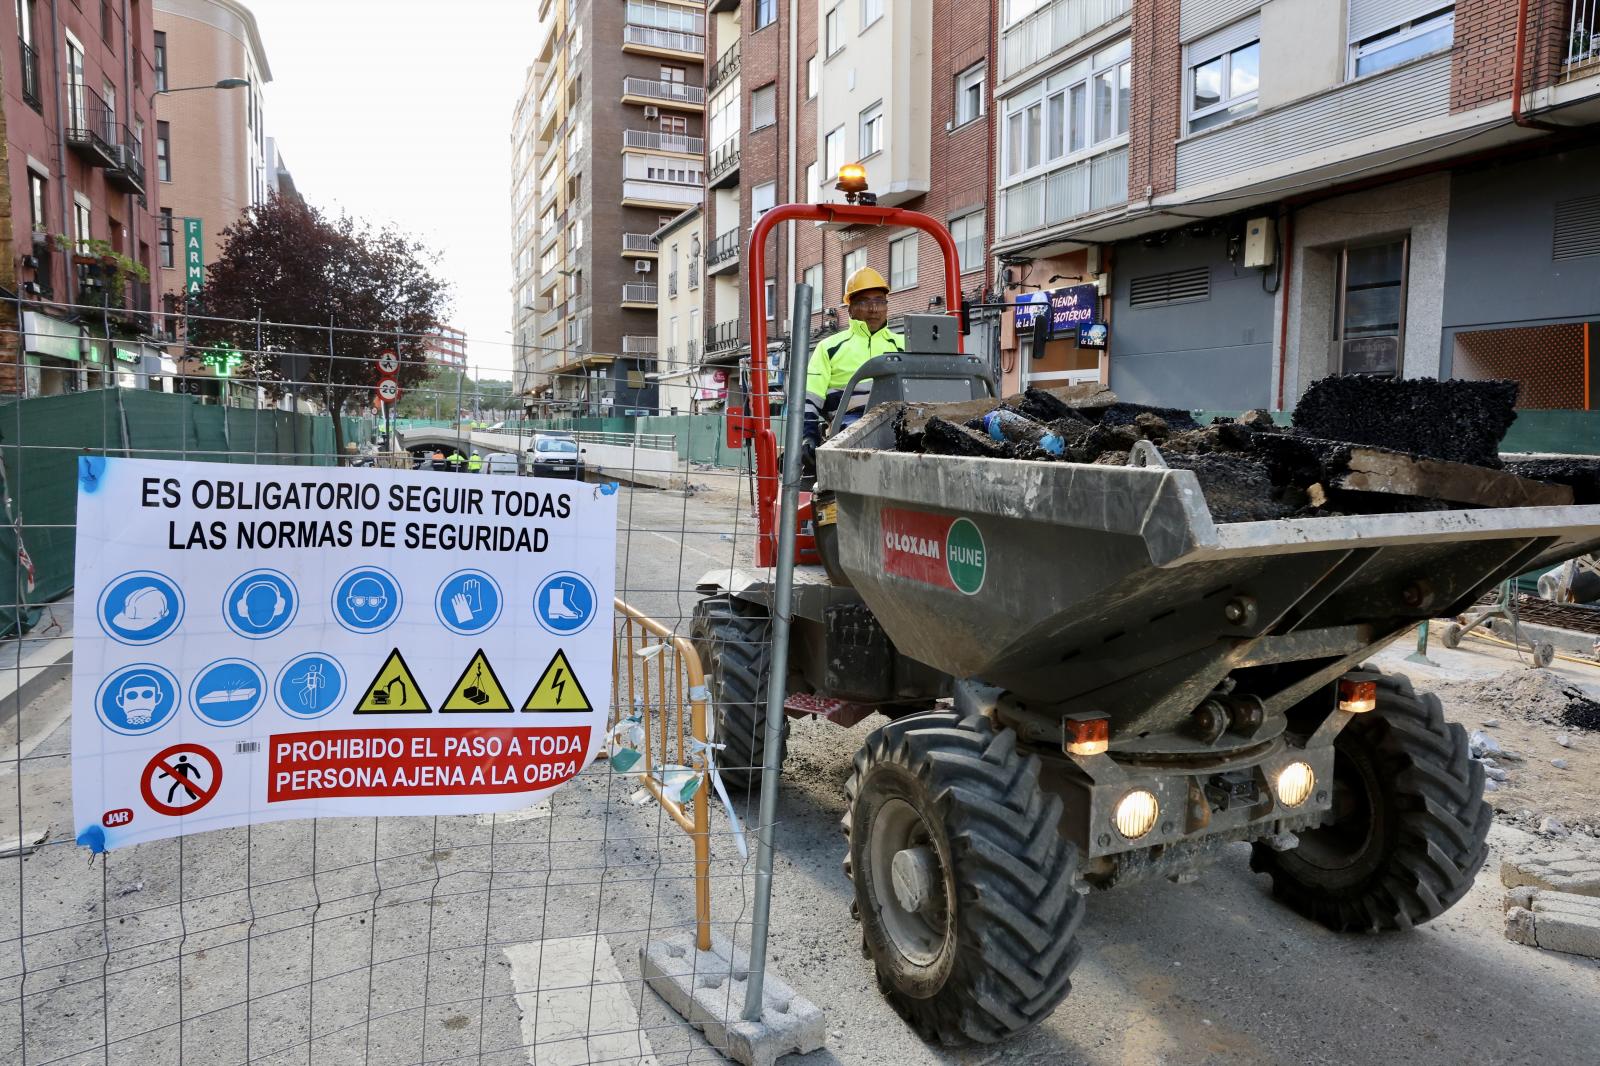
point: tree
(301, 273)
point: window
(1017, 10)
(766, 13)
(763, 198)
(672, 17)
(163, 151)
(872, 130)
(967, 232)
(813, 194)
(813, 278)
(1079, 110)
(1398, 44)
(1223, 87)
(575, 41)
(832, 39)
(694, 263)
(764, 106)
(772, 299)
(1371, 310)
(833, 151)
(854, 261)
(575, 234)
(674, 75)
(871, 11)
(903, 263)
(81, 221)
(811, 78)
(674, 125)
(108, 93)
(969, 94)
(160, 62)
(108, 24)
(25, 21)
(36, 202)
(77, 101)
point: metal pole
(782, 595)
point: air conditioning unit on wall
(641, 266)
(652, 111)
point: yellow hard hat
(862, 280)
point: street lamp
(225, 83)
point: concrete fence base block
(1555, 921)
(708, 988)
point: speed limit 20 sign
(388, 390)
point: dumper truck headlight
(1136, 813)
(1295, 783)
(1357, 697)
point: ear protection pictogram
(242, 605)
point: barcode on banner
(246, 747)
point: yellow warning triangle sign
(558, 689)
(477, 689)
(394, 690)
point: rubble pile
(1356, 446)
(1532, 695)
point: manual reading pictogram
(477, 689)
(394, 690)
(558, 689)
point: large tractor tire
(1409, 826)
(964, 888)
(734, 638)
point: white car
(500, 463)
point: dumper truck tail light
(1357, 697)
(1088, 734)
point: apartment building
(617, 117)
(797, 89)
(211, 143)
(680, 248)
(83, 207)
(446, 346)
(527, 149)
(1304, 187)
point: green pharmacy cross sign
(222, 361)
(194, 266)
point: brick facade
(1155, 107)
(1484, 54)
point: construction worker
(474, 463)
(455, 460)
(438, 460)
(838, 357)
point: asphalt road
(514, 938)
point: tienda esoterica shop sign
(934, 549)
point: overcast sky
(400, 111)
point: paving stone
(1559, 871)
(1555, 921)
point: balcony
(639, 294)
(553, 317)
(717, 6)
(726, 66)
(722, 337)
(724, 172)
(638, 345)
(92, 127)
(1051, 29)
(671, 93)
(723, 255)
(1090, 185)
(128, 174)
(663, 142)
(549, 279)
(650, 41)
(638, 245)
(1583, 40)
(30, 76)
(661, 194)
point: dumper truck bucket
(1110, 588)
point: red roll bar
(754, 424)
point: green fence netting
(42, 437)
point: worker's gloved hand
(808, 458)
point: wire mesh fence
(509, 937)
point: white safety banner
(268, 642)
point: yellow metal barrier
(660, 677)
